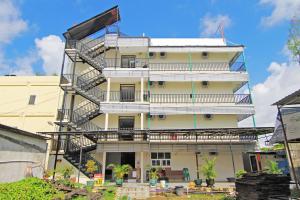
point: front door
(126, 126)
(127, 93)
(253, 163)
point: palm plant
(209, 171)
(120, 171)
(272, 167)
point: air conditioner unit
(161, 83)
(204, 55)
(213, 153)
(151, 83)
(208, 116)
(163, 54)
(204, 84)
(151, 116)
(161, 116)
(151, 54)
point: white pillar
(108, 90)
(142, 121)
(142, 89)
(106, 122)
(142, 167)
(103, 165)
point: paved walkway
(134, 191)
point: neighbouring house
(22, 154)
(258, 160)
(288, 124)
(30, 103)
(152, 102)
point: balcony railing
(128, 96)
(201, 98)
(179, 66)
(171, 137)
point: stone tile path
(134, 191)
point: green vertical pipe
(248, 85)
(148, 115)
(193, 89)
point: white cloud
(282, 10)
(23, 65)
(209, 24)
(50, 49)
(284, 79)
(11, 23)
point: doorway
(127, 93)
(126, 127)
(253, 163)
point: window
(162, 159)
(128, 61)
(32, 99)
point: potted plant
(272, 168)
(209, 171)
(153, 176)
(91, 168)
(119, 172)
(240, 173)
(198, 181)
(66, 171)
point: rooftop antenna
(220, 30)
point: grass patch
(29, 189)
(110, 193)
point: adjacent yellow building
(29, 102)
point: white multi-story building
(146, 102)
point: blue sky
(158, 18)
(31, 37)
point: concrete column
(108, 90)
(103, 165)
(142, 166)
(142, 121)
(106, 122)
(142, 89)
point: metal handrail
(117, 63)
(125, 96)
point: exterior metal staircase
(72, 154)
(85, 85)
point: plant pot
(198, 182)
(152, 182)
(179, 190)
(231, 179)
(210, 182)
(119, 182)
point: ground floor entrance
(121, 158)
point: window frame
(158, 161)
(32, 99)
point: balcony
(173, 136)
(188, 98)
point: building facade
(153, 102)
(29, 102)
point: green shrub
(208, 168)
(240, 173)
(272, 167)
(29, 189)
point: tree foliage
(294, 39)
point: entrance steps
(134, 191)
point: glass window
(167, 155)
(153, 155)
(161, 159)
(160, 155)
(32, 99)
